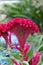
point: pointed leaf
(30, 54)
(40, 49)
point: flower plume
(22, 28)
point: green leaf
(41, 40)
(42, 58)
(30, 54)
(16, 57)
(10, 61)
(25, 63)
(40, 49)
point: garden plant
(22, 28)
(24, 20)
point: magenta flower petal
(26, 48)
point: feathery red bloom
(22, 28)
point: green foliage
(37, 44)
(36, 40)
(30, 54)
(25, 9)
(16, 56)
(40, 48)
(25, 63)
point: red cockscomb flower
(22, 28)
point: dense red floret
(25, 23)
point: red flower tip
(35, 59)
(26, 48)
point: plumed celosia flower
(4, 32)
(35, 59)
(22, 28)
